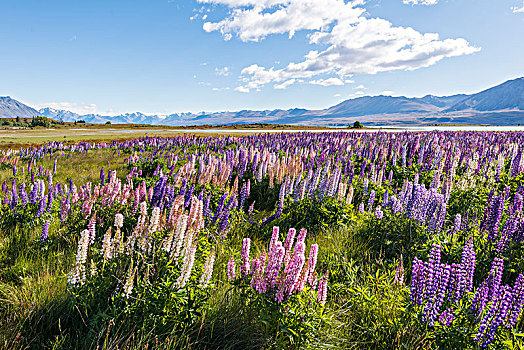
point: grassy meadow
(170, 240)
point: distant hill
(12, 108)
(508, 95)
(380, 105)
(499, 105)
(441, 101)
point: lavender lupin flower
(45, 231)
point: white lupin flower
(189, 260)
(155, 220)
(119, 220)
(107, 246)
(208, 269)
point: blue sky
(171, 56)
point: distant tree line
(31, 123)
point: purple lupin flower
(446, 317)
(494, 318)
(41, 208)
(371, 200)
(224, 219)
(517, 302)
(45, 231)
(458, 221)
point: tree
(357, 125)
(41, 121)
(108, 122)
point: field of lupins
(284, 241)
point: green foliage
(474, 197)
(376, 312)
(265, 198)
(289, 325)
(394, 236)
(316, 216)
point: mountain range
(13, 108)
(500, 105)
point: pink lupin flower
(288, 244)
(274, 265)
(244, 268)
(92, 228)
(292, 275)
(274, 238)
(312, 261)
(259, 274)
(399, 273)
(300, 248)
(302, 235)
(231, 269)
(322, 290)
(255, 268)
(301, 282)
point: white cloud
(517, 9)
(254, 20)
(222, 71)
(387, 93)
(420, 2)
(242, 89)
(72, 107)
(284, 85)
(360, 87)
(327, 82)
(347, 43)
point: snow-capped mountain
(499, 105)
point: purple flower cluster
(494, 304)
(497, 305)
(434, 282)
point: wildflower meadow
(332, 240)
